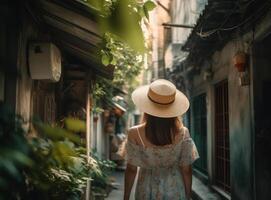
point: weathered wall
(261, 73)
(8, 51)
(239, 128)
(28, 31)
(158, 16)
(262, 109)
(239, 120)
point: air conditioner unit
(44, 62)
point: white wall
(184, 12)
(99, 139)
(157, 17)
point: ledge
(223, 194)
(200, 191)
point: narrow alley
(93, 89)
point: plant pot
(240, 61)
(95, 118)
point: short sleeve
(189, 152)
(133, 154)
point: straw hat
(160, 99)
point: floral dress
(159, 176)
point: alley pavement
(117, 193)
(200, 191)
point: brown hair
(161, 131)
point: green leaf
(10, 168)
(146, 12)
(78, 164)
(105, 59)
(57, 133)
(21, 158)
(75, 125)
(141, 11)
(149, 5)
(114, 61)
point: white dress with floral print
(159, 175)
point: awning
(75, 31)
(220, 21)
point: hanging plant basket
(240, 61)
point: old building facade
(71, 28)
(226, 77)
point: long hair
(161, 131)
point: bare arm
(186, 172)
(130, 174)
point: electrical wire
(208, 33)
(220, 28)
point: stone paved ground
(117, 194)
(201, 192)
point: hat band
(161, 99)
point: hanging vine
(123, 44)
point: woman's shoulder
(185, 132)
(133, 130)
(137, 126)
(133, 134)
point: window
(222, 150)
(199, 131)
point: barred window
(222, 149)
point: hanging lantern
(240, 61)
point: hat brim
(144, 104)
(119, 107)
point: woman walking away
(161, 146)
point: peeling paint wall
(239, 128)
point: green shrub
(51, 166)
